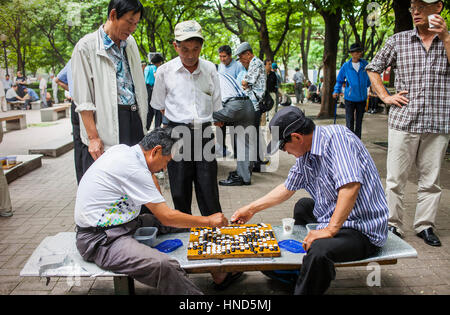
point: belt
(240, 98)
(131, 108)
(93, 229)
(190, 125)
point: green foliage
(288, 88)
(42, 33)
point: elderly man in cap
(187, 91)
(419, 121)
(353, 72)
(348, 200)
(254, 85)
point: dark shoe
(394, 230)
(229, 279)
(256, 168)
(233, 180)
(429, 237)
(6, 214)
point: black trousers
(258, 115)
(130, 133)
(77, 143)
(317, 270)
(152, 112)
(354, 113)
(202, 174)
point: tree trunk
(305, 48)
(403, 22)
(332, 21)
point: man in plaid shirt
(419, 121)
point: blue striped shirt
(337, 158)
(229, 87)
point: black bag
(265, 104)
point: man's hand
(217, 220)
(244, 85)
(335, 95)
(397, 99)
(315, 235)
(440, 27)
(96, 148)
(242, 215)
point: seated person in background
(32, 94)
(312, 92)
(12, 96)
(349, 203)
(107, 214)
(48, 98)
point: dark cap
(355, 47)
(285, 122)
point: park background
(313, 35)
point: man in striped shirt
(348, 200)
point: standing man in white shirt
(54, 89)
(187, 91)
(43, 91)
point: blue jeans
(354, 112)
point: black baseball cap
(355, 47)
(285, 122)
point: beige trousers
(426, 151)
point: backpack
(265, 104)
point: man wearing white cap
(419, 121)
(187, 91)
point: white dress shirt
(187, 97)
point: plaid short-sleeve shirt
(426, 77)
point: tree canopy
(309, 34)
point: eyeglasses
(283, 142)
(418, 9)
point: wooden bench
(53, 148)
(15, 105)
(57, 256)
(55, 113)
(14, 121)
(28, 164)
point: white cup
(429, 18)
(288, 225)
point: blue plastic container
(169, 245)
(292, 245)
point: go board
(233, 241)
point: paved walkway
(44, 200)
